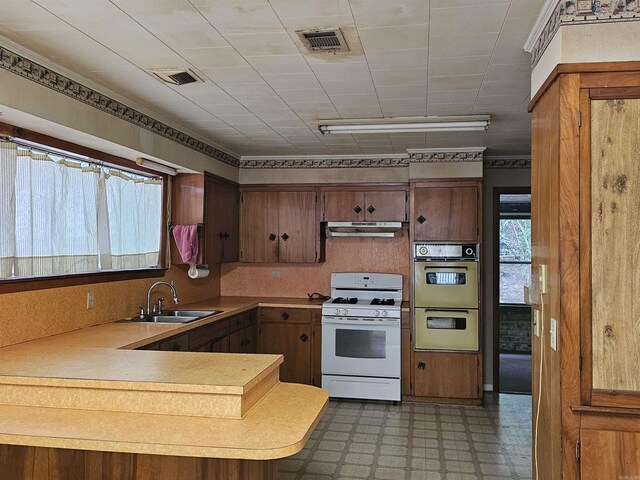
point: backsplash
(348, 254)
(40, 313)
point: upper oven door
(446, 284)
(360, 347)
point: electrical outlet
(536, 322)
(554, 334)
(89, 300)
(275, 273)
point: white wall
(503, 177)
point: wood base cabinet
(447, 376)
(294, 333)
(37, 463)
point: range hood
(364, 229)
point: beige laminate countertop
(101, 357)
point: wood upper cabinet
(368, 205)
(446, 211)
(279, 226)
(214, 203)
(447, 375)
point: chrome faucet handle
(141, 314)
(160, 300)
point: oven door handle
(430, 267)
(359, 321)
(456, 310)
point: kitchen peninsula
(85, 404)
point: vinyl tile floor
(379, 440)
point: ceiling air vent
(176, 76)
(317, 41)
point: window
(515, 258)
(62, 215)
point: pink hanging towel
(186, 237)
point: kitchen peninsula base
(38, 463)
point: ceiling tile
(452, 96)
(355, 111)
(213, 57)
(254, 44)
(458, 65)
(402, 91)
(455, 82)
(405, 76)
(345, 87)
(232, 75)
(449, 108)
(279, 64)
(304, 96)
(444, 46)
(295, 8)
(239, 16)
(291, 81)
(383, 13)
(469, 20)
(400, 59)
(351, 71)
(502, 88)
(403, 37)
(364, 100)
(404, 107)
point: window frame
(523, 216)
(24, 284)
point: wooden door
(259, 226)
(293, 340)
(446, 213)
(446, 375)
(344, 206)
(213, 198)
(297, 232)
(385, 206)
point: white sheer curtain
(61, 216)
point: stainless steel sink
(177, 316)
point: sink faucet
(173, 292)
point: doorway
(512, 271)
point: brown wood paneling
(340, 206)
(615, 250)
(569, 267)
(547, 431)
(35, 463)
(259, 226)
(452, 375)
(389, 206)
(179, 343)
(613, 93)
(294, 342)
(609, 455)
(316, 360)
(297, 226)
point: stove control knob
(337, 311)
(385, 313)
(377, 313)
(423, 250)
(469, 251)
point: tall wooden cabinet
(586, 271)
(214, 204)
(279, 226)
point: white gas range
(361, 336)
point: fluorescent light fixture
(158, 167)
(468, 123)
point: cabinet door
(382, 206)
(236, 341)
(447, 213)
(609, 454)
(187, 208)
(446, 375)
(297, 221)
(344, 206)
(222, 221)
(259, 227)
(250, 339)
(294, 342)
(178, 343)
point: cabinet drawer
(446, 375)
(179, 343)
(289, 315)
(208, 333)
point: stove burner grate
(342, 300)
(383, 301)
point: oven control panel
(445, 251)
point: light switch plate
(536, 322)
(554, 334)
(275, 273)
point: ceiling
(264, 93)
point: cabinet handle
(285, 237)
(357, 209)
(272, 237)
(177, 347)
(421, 219)
(371, 209)
(226, 235)
(421, 365)
(304, 337)
(285, 316)
(221, 235)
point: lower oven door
(360, 347)
(445, 284)
(442, 329)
